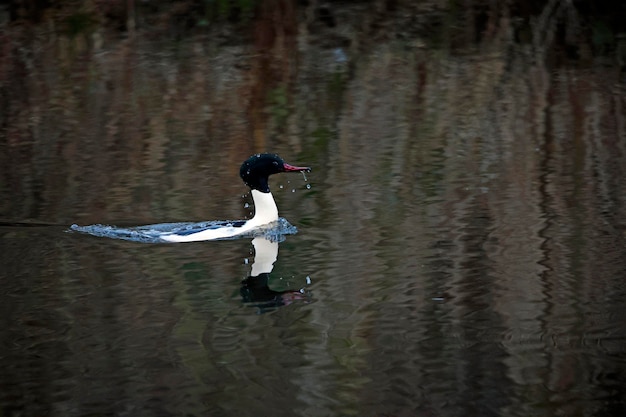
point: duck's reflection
(256, 291)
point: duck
(255, 172)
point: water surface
(461, 239)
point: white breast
(265, 212)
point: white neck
(265, 210)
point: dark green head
(256, 170)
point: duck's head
(256, 170)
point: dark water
(461, 245)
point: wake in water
(155, 233)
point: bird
(254, 172)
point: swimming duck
(254, 172)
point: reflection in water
(256, 291)
(466, 226)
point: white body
(265, 212)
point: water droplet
(308, 186)
(293, 190)
(339, 55)
(245, 261)
(280, 186)
(246, 205)
(308, 280)
(304, 175)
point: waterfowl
(254, 172)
